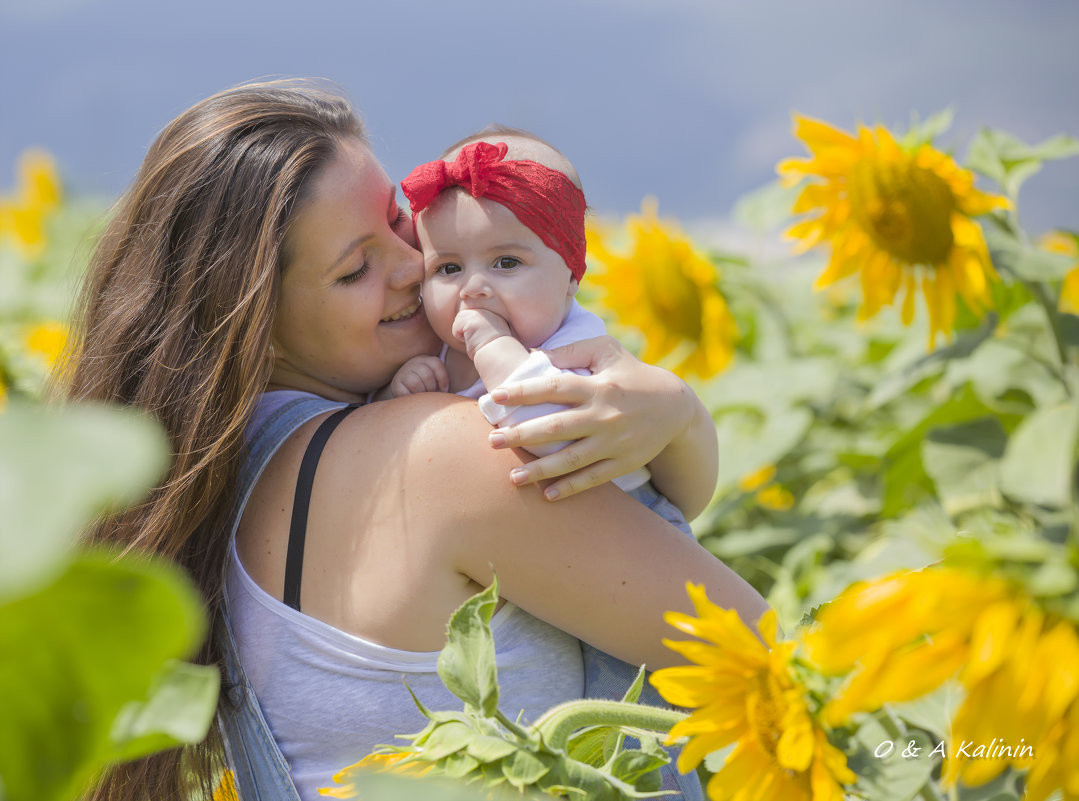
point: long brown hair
(174, 318)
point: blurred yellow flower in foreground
(47, 340)
(1066, 245)
(3, 395)
(905, 634)
(226, 789)
(37, 194)
(669, 291)
(379, 762)
(1054, 765)
(744, 692)
(900, 217)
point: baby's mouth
(405, 313)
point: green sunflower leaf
(179, 709)
(467, 662)
(1031, 263)
(523, 769)
(1009, 162)
(924, 132)
(87, 646)
(964, 463)
(1039, 462)
(59, 468)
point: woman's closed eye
(402, 217)
(506, 263)
(356, 275)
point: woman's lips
(406, 313)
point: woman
(261, 247)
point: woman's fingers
(568, 389)
(557, 427)
(574, 468)
(592, 476)
(588, 354)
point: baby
(500, 222)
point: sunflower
(382, 762)
(757, 479)
(46, 340)
(668, 290)
(1057, 756)
(38, 193)
(745, 692)
(907, 633)
(901, 217)
(226, 788)
(1067, 245)
(930, 614)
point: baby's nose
(475, 286)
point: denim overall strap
(259, 768)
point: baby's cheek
(440, 312)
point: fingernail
(550, 494)
(497, 439)
(518, 475)
(499, 395)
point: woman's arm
(599, 566)
(627, 414)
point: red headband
(543, 199)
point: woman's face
(349, 314)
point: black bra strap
(297, 534)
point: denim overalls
(260, 770)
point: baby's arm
(418, 374)
(498, 357)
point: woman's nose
(408, 267)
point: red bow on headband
(543, 199)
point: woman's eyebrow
(349, 249)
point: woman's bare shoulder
(421, 439)
(430, 419)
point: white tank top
(330, 697)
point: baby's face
(478, 255)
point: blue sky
(688, 101)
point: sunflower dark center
(674, 297)
(905, 209)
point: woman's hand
(623, 417)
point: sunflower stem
(1034, 357)
(1037, 289)
(559, 723)
(511, 725)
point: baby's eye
(506, 263)
(448, 269)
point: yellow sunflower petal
(886, 212)
(819, 135)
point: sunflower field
(896, 395)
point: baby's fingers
(423, 378)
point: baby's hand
(420, 374)
(477, 327)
